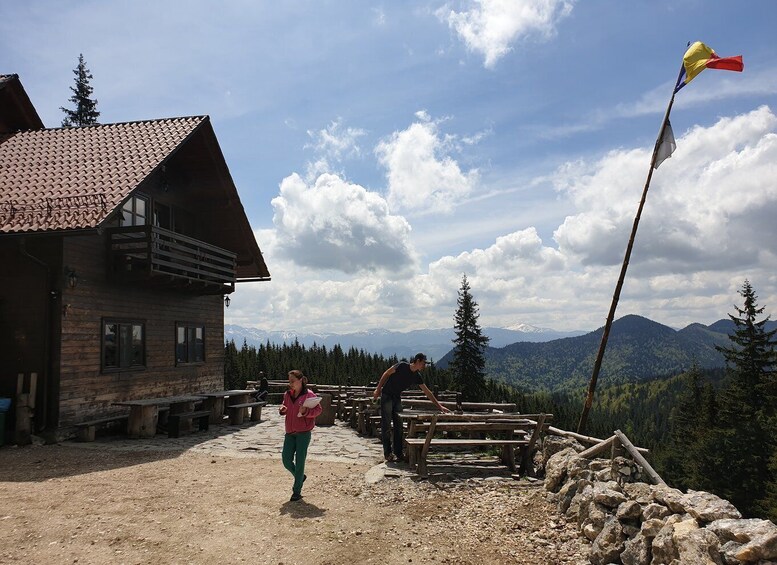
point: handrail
(156, 251)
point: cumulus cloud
(490, 26)
(422, 176)
(708, 210)
(336, 225)
(708, 223)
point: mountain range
(637, 349)
(540, 359)
(435, 342)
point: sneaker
(391, 457)
(295, 497)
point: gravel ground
(110, 504)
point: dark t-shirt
(401, 379)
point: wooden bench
(202, 417)
(237, 412)
(86, 431)
(528, 430)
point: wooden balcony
(160, 257)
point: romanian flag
(700, 57)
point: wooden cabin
(118, 245)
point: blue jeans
(390, 406)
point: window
(123, 345)
(134, 212)
(189, 343)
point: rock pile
(635, 523)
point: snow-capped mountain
(435, 343)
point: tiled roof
(73, 178)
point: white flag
(667, 146)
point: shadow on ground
(37, 463)
(302, 509)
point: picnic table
(144, 412)
(505, 407)
(219, 401)
(507, 431)
(361, 409)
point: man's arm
(430, 395)
(384, 377)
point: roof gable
(16, 110)
(74, 178)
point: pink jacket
(294, 422)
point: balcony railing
(163, 257)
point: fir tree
(85, 113)
(468, 367)
(691, 457)
(746, 413)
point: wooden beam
(595, 450)
(655, 477)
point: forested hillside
(638, 349)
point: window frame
(134, 211)
(191, 350)
(119, 322)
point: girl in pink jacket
(300, 421)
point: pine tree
(691, 457)
(468, 367)
(746, 413)
(86, 113)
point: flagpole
(606, 333)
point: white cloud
(336, 142)
(422, 176)
(336, 225)
(755, 84)
(708, 210)
(707, 225)
(490, 26)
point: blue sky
(383, 149)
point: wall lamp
(227, 301)
(71, 277)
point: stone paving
(254, 439)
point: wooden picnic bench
(237, 412)
(527, 431)
(202, 417)
(86, 431)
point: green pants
(295, 450)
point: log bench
(237, 412)
(202, 417)
(86, 431)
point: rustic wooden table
(218, 401)
(144, 412)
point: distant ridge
(537, 358)
(435, 343)
(637, 349)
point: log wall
(86, 392)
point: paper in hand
(312, 402)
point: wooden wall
(85, 392)
(28, 303)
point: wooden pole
(616, 296)
(655, 477)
